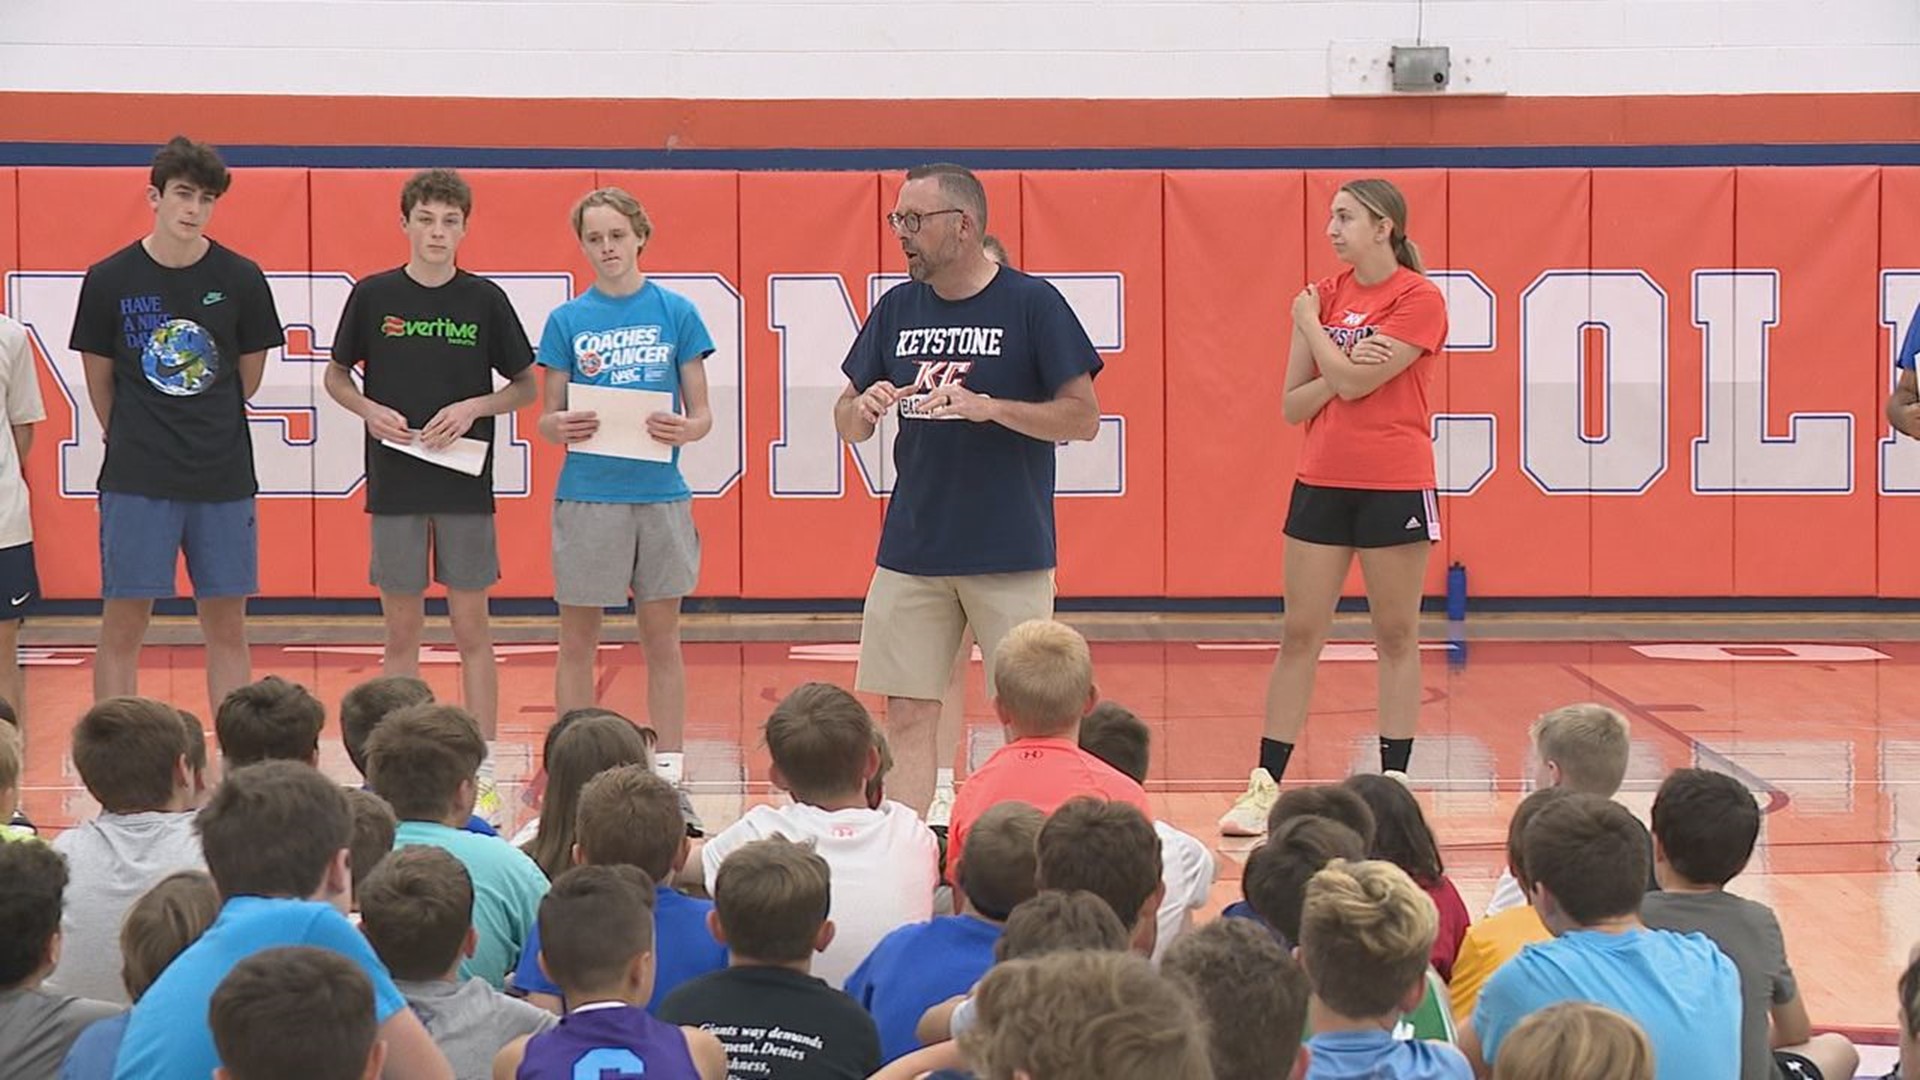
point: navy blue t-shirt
(970, 498)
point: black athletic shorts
(1360, 517)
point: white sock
(943, 778)
(486, 763)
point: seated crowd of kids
(269, 923)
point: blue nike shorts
(141, 540)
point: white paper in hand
(463, 455)
(623, 421)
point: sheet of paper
(463, 455)
(623, 421)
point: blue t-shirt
(970, 498)
(507, 889)
(92, 1055)
(168, 1035)
(683, 948)
(1680, 988)
(1909, 353)
(1364, 1055)
(917, 967)
(639, 342)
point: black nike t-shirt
(778, 1024)
(178, 429)
(424, 349)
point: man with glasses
(987, 369)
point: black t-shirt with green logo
(178, 429)
(424, 349)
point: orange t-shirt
(1380, 442)
(1040, 772)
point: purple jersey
(617, 1043)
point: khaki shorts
(911, 626)
(604, 551)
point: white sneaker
(486, 796)
(940, 810)
(1396, 774)
(1248, 817)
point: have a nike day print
(178, 429)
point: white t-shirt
(884, 864)
(1188, 868)
(20, 390)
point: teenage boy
(276, 837)
(19, 581)
(1704, 828)
(624, 527)
(132, 754)
(174, 331)
(429, 338)
(771, 902)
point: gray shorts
(603, 551)
(465, 556)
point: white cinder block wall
(806, 49)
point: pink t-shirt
(1044, 773)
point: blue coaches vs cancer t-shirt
(638, 342)
(970, 498)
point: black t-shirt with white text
(424, 349)
(178, 429)
(970, 498)
(778, 1024)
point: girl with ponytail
(1362, 354)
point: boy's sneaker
(673, 769)
(486, 795)
(1248, 817)
(940, 810)
(20, 823)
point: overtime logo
(466, 335)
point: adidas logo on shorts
(1413, 523)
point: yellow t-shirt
(1490, 943)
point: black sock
(1394, 754)
(1274, 756)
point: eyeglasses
(909, 222)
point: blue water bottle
(1456, 592)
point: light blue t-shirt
(507, 887)
(168, 1036)
(917, 967)
(1680, 988)
(683, 948)
(639, 342)
(1366, 1055)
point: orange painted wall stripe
(1006, 123)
